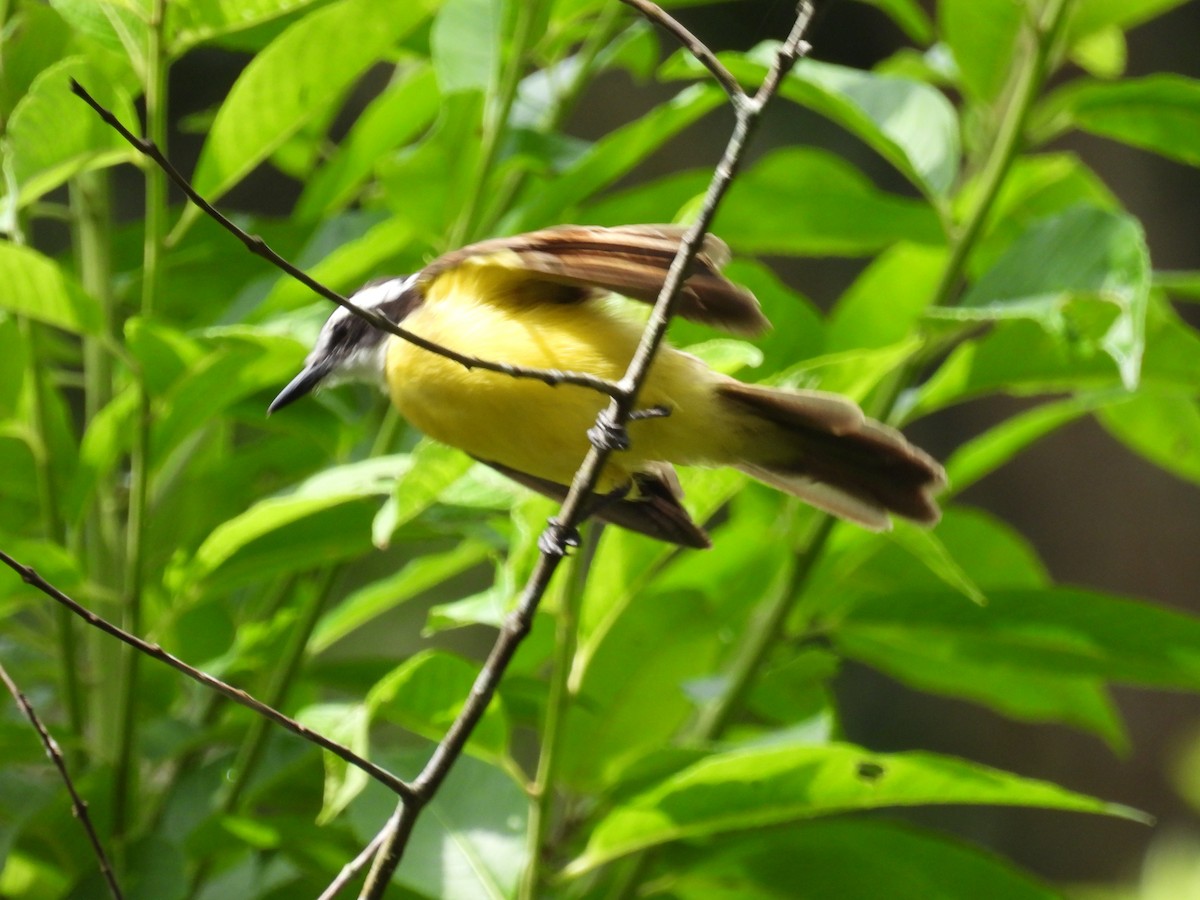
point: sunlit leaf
(191, 22)
(762, 786)
(1163, 427)
(37, 287)
(465, 44)
(983, 35)
(295, 78)
(1160, 113)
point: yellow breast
(528, 425)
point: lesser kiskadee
(540, 300)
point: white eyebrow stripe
(374, 296)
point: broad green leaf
(1054, 274)
(758, 787)
(425, 695)
(235, 370)
(107, 436)
(987, 452)
(1089, 16)
(348, 724)
(925, 546)
(610, 158)
(36, 37)
(52, 134)
(850, 859)
(912, 125)
(885, 302)
(858, 565)
(470, 842)
(37, 287)
(294, 79)
(1036, 187)
(927, 664)
(1051, 631)
(1020, 358)
(191, 22)
(368, 603)
(337, 486)
(434, 467)
(983, 35)
(854, 373)
(465, 44)
(1163, 427)
(1160, 113)
(391, 120)
(805, 202)
(907, 14)
(122, 26)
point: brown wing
(631, 260)
(656, 512)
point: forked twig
(380, 774)
(78, 805)
(611, 420)
(259, 247)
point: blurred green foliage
(299, 555)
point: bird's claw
(557, 539)
(606, 434)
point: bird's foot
(607, 434)
(557, 539)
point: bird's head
(350, 348)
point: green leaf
(987, 452)
(1053, 631)
(434, 468)
(983, 36)
(295, 78)
(52, 134)
(37, 287)
(332, 488)
(1055, 273)
(392, 119)
(1089, 16)
(849, 859)
(885, 302)
(1160, 426)
(370, 602)
(465, 44)
(425, 695)
(925, 546)
(348, 724)
(1160, 113)
(191, 22)
(121, 26)
(757, 787)
(611, 158)
(1102, 53)
(910, 124)
(805, 202)
(469, 843)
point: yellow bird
(542, 300)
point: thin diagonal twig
(610, 421)
(694, 46)
(356, 865)
(259, 247)
(78, 805)
(380, 774)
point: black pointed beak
(302, 384)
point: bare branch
(611, 421)
(694, 46)
(383, 776)
(78, 805)
(356, 865)
(259, 247)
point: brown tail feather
(825, 451)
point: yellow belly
(530, 426)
